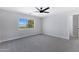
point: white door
(75, 26)
(78, 34)
(78, 27)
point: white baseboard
(56, 36)
(13, 38)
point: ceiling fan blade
(36, 11)
(46, 8)
(45, 12)
(37, 8)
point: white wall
(9, 26)
(57, 25)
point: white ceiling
(31, 10)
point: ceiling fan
(42, 9)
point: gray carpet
(40, 43)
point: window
(25, 23)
